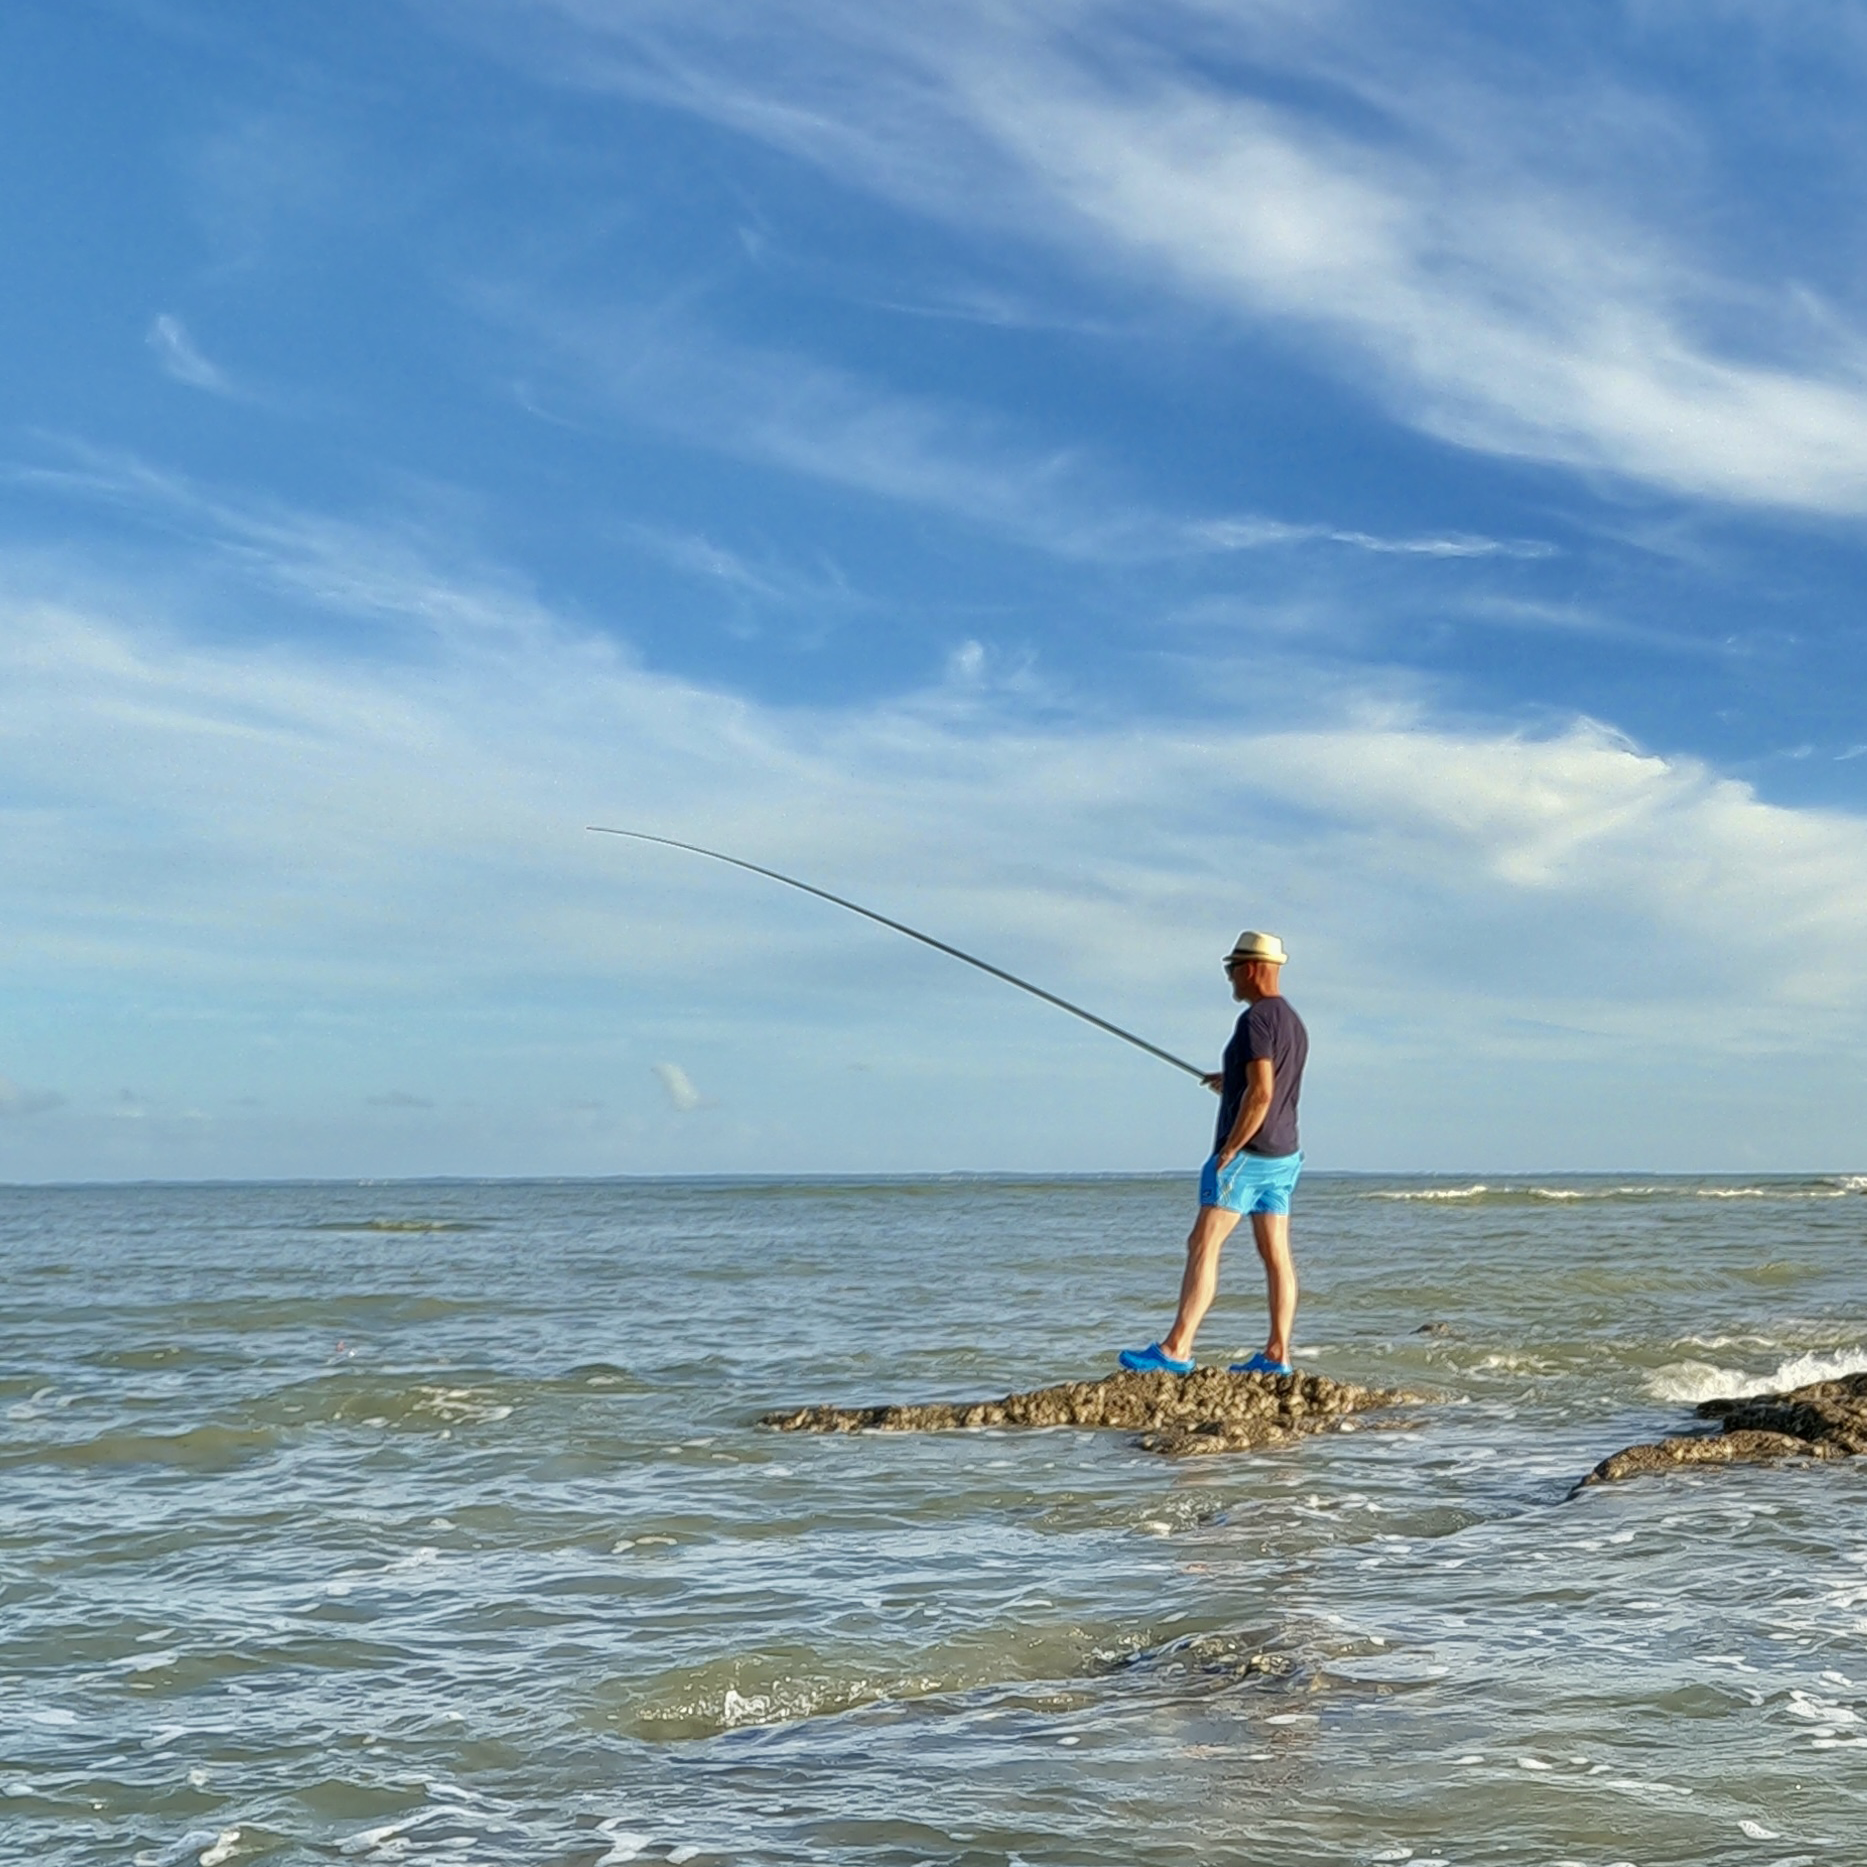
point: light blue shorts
(1250, 1182)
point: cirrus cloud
(1494, 244)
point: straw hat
(1266, 947)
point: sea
(431, 1522)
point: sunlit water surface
(428, 1522)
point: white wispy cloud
(1255, 533)
(15, 1100)
(265, 181)
(195, 815)
(1437, 228)
(830, 424)
(180, 357)
(1582, 619)
(818, 587)
(678, 1087)
(840, 428)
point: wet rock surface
(1825, 1420)
(1209, 1410)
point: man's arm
(1259, 1079)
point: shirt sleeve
(1258, 1031)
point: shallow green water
(427, 1522)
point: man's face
(1247, 977)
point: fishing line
(914, 933)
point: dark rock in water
(1826, 1420)
(1209, 1410)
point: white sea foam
(146, 1662)
(1815, 1710)
(459, 1405)
(1695, 1381)
(1388, 1668)
(369, 1840)
(624, 1844)
(737, 1708)
(425, 1557)
(198, 1842)
(1829, 1189)
(1598, 1192)
(1836, 1186)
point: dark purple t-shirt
(1270, 1028)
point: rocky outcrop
(1826, 1420)
(1209, 1410)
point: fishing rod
(914, 933)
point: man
(1254, 1165)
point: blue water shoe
(1150, 1360)
(1261, 1363)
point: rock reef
(1209, 1410)
(1825, 1420)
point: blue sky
(1080, 477)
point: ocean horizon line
(1483, 1179)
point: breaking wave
(1695, 1381)
(1827, 1186)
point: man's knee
(1211, 1229)
(1271, 1233)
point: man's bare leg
(1272, 1233)
(1199, 1283)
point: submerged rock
(1209, 1410)
(1825, 1420)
